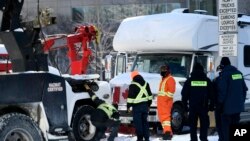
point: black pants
(102, 127)
(218, 121)
(102, 122)
(202, 114)
(140, 115)
(226, 122)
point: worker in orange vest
(165, 101)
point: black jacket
(231, 90)
(198, 96)
(134, 90)
(99, 115)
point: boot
(139, 138)
(167, 136)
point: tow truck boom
(77, 43)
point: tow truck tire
(83, 129)
(19, 127)
(177, 118)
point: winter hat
(198, 66)
(165, 68)
(133, 74)
(225, 61)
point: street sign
(228, 44)
(228, 27)
(228, 15)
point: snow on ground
(184, 137)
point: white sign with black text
(228, 27)
(228, 44)
(228, 15)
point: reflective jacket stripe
(166, 123)
(162, 89)
(93, 97)
(107, 108)
(139, 98)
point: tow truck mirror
(210, 67)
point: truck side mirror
(108, 67)
(210, 67)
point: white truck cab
(176, 39)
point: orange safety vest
(165, 102)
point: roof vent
(204, 12)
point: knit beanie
(225, 61)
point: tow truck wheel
(83, 129)
(19, 127)
(177, 118)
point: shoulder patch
(236, 76)
(199, 83)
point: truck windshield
(151, 63)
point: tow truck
(38, 103)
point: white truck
(179, 40)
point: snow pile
(184, 137)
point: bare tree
(243, 6)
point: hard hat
(133, 74)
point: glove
(211, 108)
(116, 115)
(91, 93)
(219, 107)
(129, 110)
(87, 87)
(186, 108)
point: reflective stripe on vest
(198, 83)
(107, 108)
(166, 123)
(162, 89)
(236, 76)
(139, 97)
(93, 97)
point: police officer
(105, 115)
(217, 113)
(231, 96)
(140, 99)
(165, 101)
(197, 92)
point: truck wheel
(177, 118)
(19, 127)
(83, 129)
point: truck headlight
(94, 86)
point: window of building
(247, 56)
